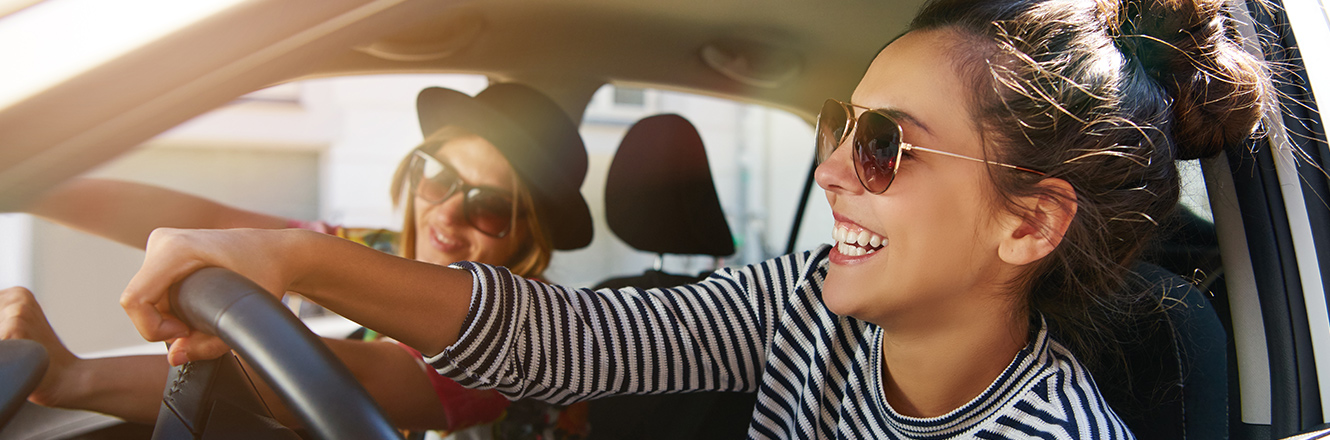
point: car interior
(1240, 347)
(659, 198)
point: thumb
(195, 347)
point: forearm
(129, 387)
(420, 304)
(127, 212)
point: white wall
(78, 278)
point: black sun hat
(538, 139)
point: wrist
(64, 386)
(128, 387)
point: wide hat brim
(539, 140)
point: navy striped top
(761, 327)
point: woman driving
(992, 174)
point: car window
(749, 149)
(325, 149)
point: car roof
(789, 54)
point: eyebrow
(899, 115)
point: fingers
(146, 299)
(16, 310)
(21, 317)
(194, 347)
(172, 255)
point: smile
(443, 242)
(857, 243)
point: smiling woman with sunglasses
(1001, 164)
(479, 188)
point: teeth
(857, 243)
(851, 250)
(441, 238)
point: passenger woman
(992, 174)
(496, 180)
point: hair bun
(1219, 90)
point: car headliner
(790, 54)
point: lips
(856, 242)
(442, 242)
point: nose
(450, 210)
(836, 173)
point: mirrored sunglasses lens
(436, 181)
(489, 211)
(877, 144)
(831, 122)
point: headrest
(659, 196)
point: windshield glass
(58, 39)
(326, 149)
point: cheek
(499, 251)
(419, 224)
(945, 233)
(420, 210)
(934, 245)
(493, 251)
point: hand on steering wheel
(310, 380)
(22, 318)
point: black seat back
(1173, 379)
(659, 198)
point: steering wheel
(212, 399)
(22, 364)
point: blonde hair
(534, 255)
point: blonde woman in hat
(496, 181)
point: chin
(839, 295)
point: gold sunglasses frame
(851, 122)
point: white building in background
(325, 149)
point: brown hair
(533, 257)
(1105, 95)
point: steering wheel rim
(22, 365)
(310, 380)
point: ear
(1034, 234)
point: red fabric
(463, 406)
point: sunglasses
(877, 143)
(490, 210)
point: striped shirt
(761, 327)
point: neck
(943, 362)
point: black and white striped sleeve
(532, 340)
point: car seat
(1172, 382)
(659, 198)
